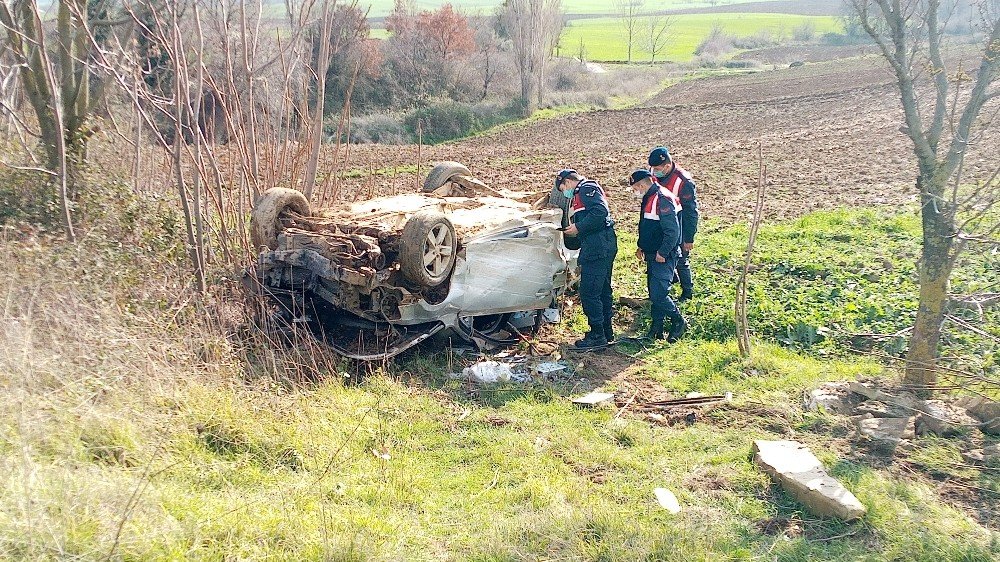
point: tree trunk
(935, 269)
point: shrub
(448, 120)
(382, 128)
(759, 40)
(742, 64)
(716, 43)
(441, 121)
(804, 32)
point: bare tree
(534, 27)
(59, 90)
(657, 35)
(941, 106)
(488, 52)
(629, 12)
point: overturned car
(375, 278)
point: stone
(939, 418)
(831, 397)
(974, 456)
(987, 455)
(983, 409)
(880, 409)
(793, 466)
(903, 399)
(885, 434)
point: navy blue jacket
(659, 229)
(592, 217)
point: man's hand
(659, 258)
(571, 230)
(686, 246)
(640, 254)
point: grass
(137, 427)
(602, 37)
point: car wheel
(442, 174)
(265, 223)
(427, 248)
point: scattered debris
(593, 399)
(832, 397)
(549, 367)
(667, 500)
(488, 372)
(514, 368)
(983, 409)
(885, 434)
(801, 474)
(700, 400)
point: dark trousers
(659, 277)
(684, 271)
(595, 291)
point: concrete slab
(885, 434)
(800, 473)
(985, 410)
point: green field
(602, 37)
(381, 8)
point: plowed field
(829, 132)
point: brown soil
(829, 132)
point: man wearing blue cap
(591, 222)
(659, 246)
(678, 181)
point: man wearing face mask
(591, 222)
(659, 246)
(678, 181)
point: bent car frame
(377, 277)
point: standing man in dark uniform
(679, 183)
(659, 246)
(591, 221)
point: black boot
(594, 338)
(677, 328)
(685, 295)
(609, 332)
(655, 331)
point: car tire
(427, 248)
(559, 201)
(442, 174)
(265, 223)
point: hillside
(141, 421)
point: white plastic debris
(488, 372)
(549, 367)
(551, 315)
(667, 500)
